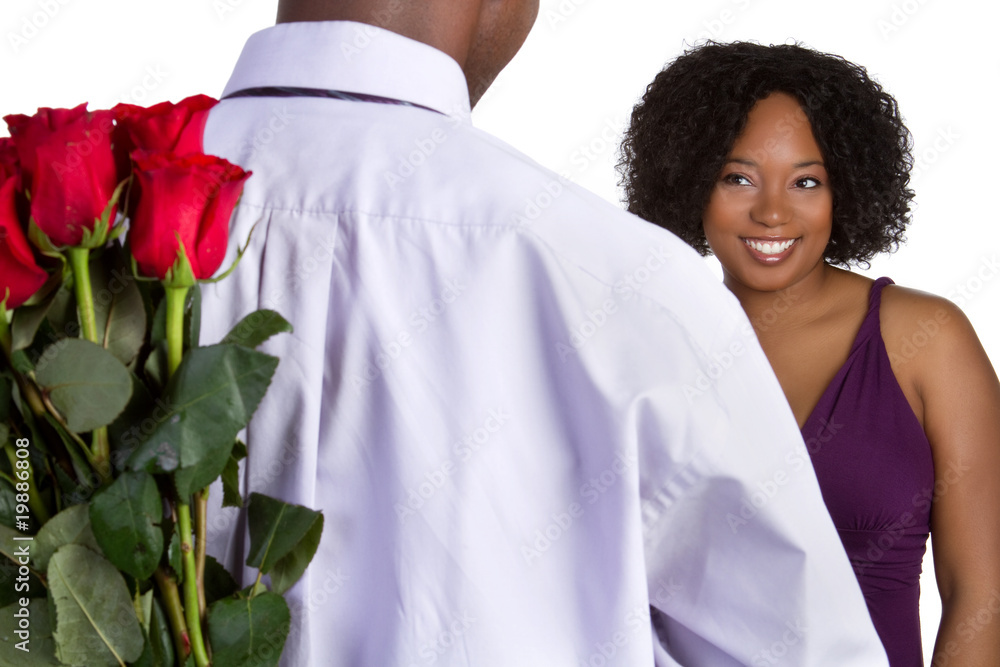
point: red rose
(34, 129)
(20, 276)
(68, 168)
(192, 196)
(175, 128)
(8, 158)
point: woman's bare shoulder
(926, 334)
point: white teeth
(769, 248)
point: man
(539, 431)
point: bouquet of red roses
(113, 420)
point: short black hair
(682, 130)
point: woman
(789, 164)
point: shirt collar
(355, 58)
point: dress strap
(871, 326)
(875, 296)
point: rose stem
(175, 613)
(79, 259)
(176, 296)
(200, 540)
(191, 586)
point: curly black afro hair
(693, 111)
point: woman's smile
(770, 250)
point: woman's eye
(807, 182)
(736, 179)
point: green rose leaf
(174, 556)
(248, 631)
(95, 622)
(231, 477)
(125, 517)
(85, 382)
(158, 650)
(283, 537)
(289, 569)
(62, 318)
(40, 647)
(210, 398)
(128, 429)
(192, 316)
(118, 306)
(71, 526)
(219, 583)
(27, 319)
(6, 399)
(155, 367)
(257, 327)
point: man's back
(526, 416)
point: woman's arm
(960, 397)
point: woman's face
(769, 216)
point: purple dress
(874, 466)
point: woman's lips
(770, 250)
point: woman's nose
(771, 207)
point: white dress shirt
(526, 415)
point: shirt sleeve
(744, 564)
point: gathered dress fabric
(875, 470)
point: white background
(566, 97)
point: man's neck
(447, 25)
